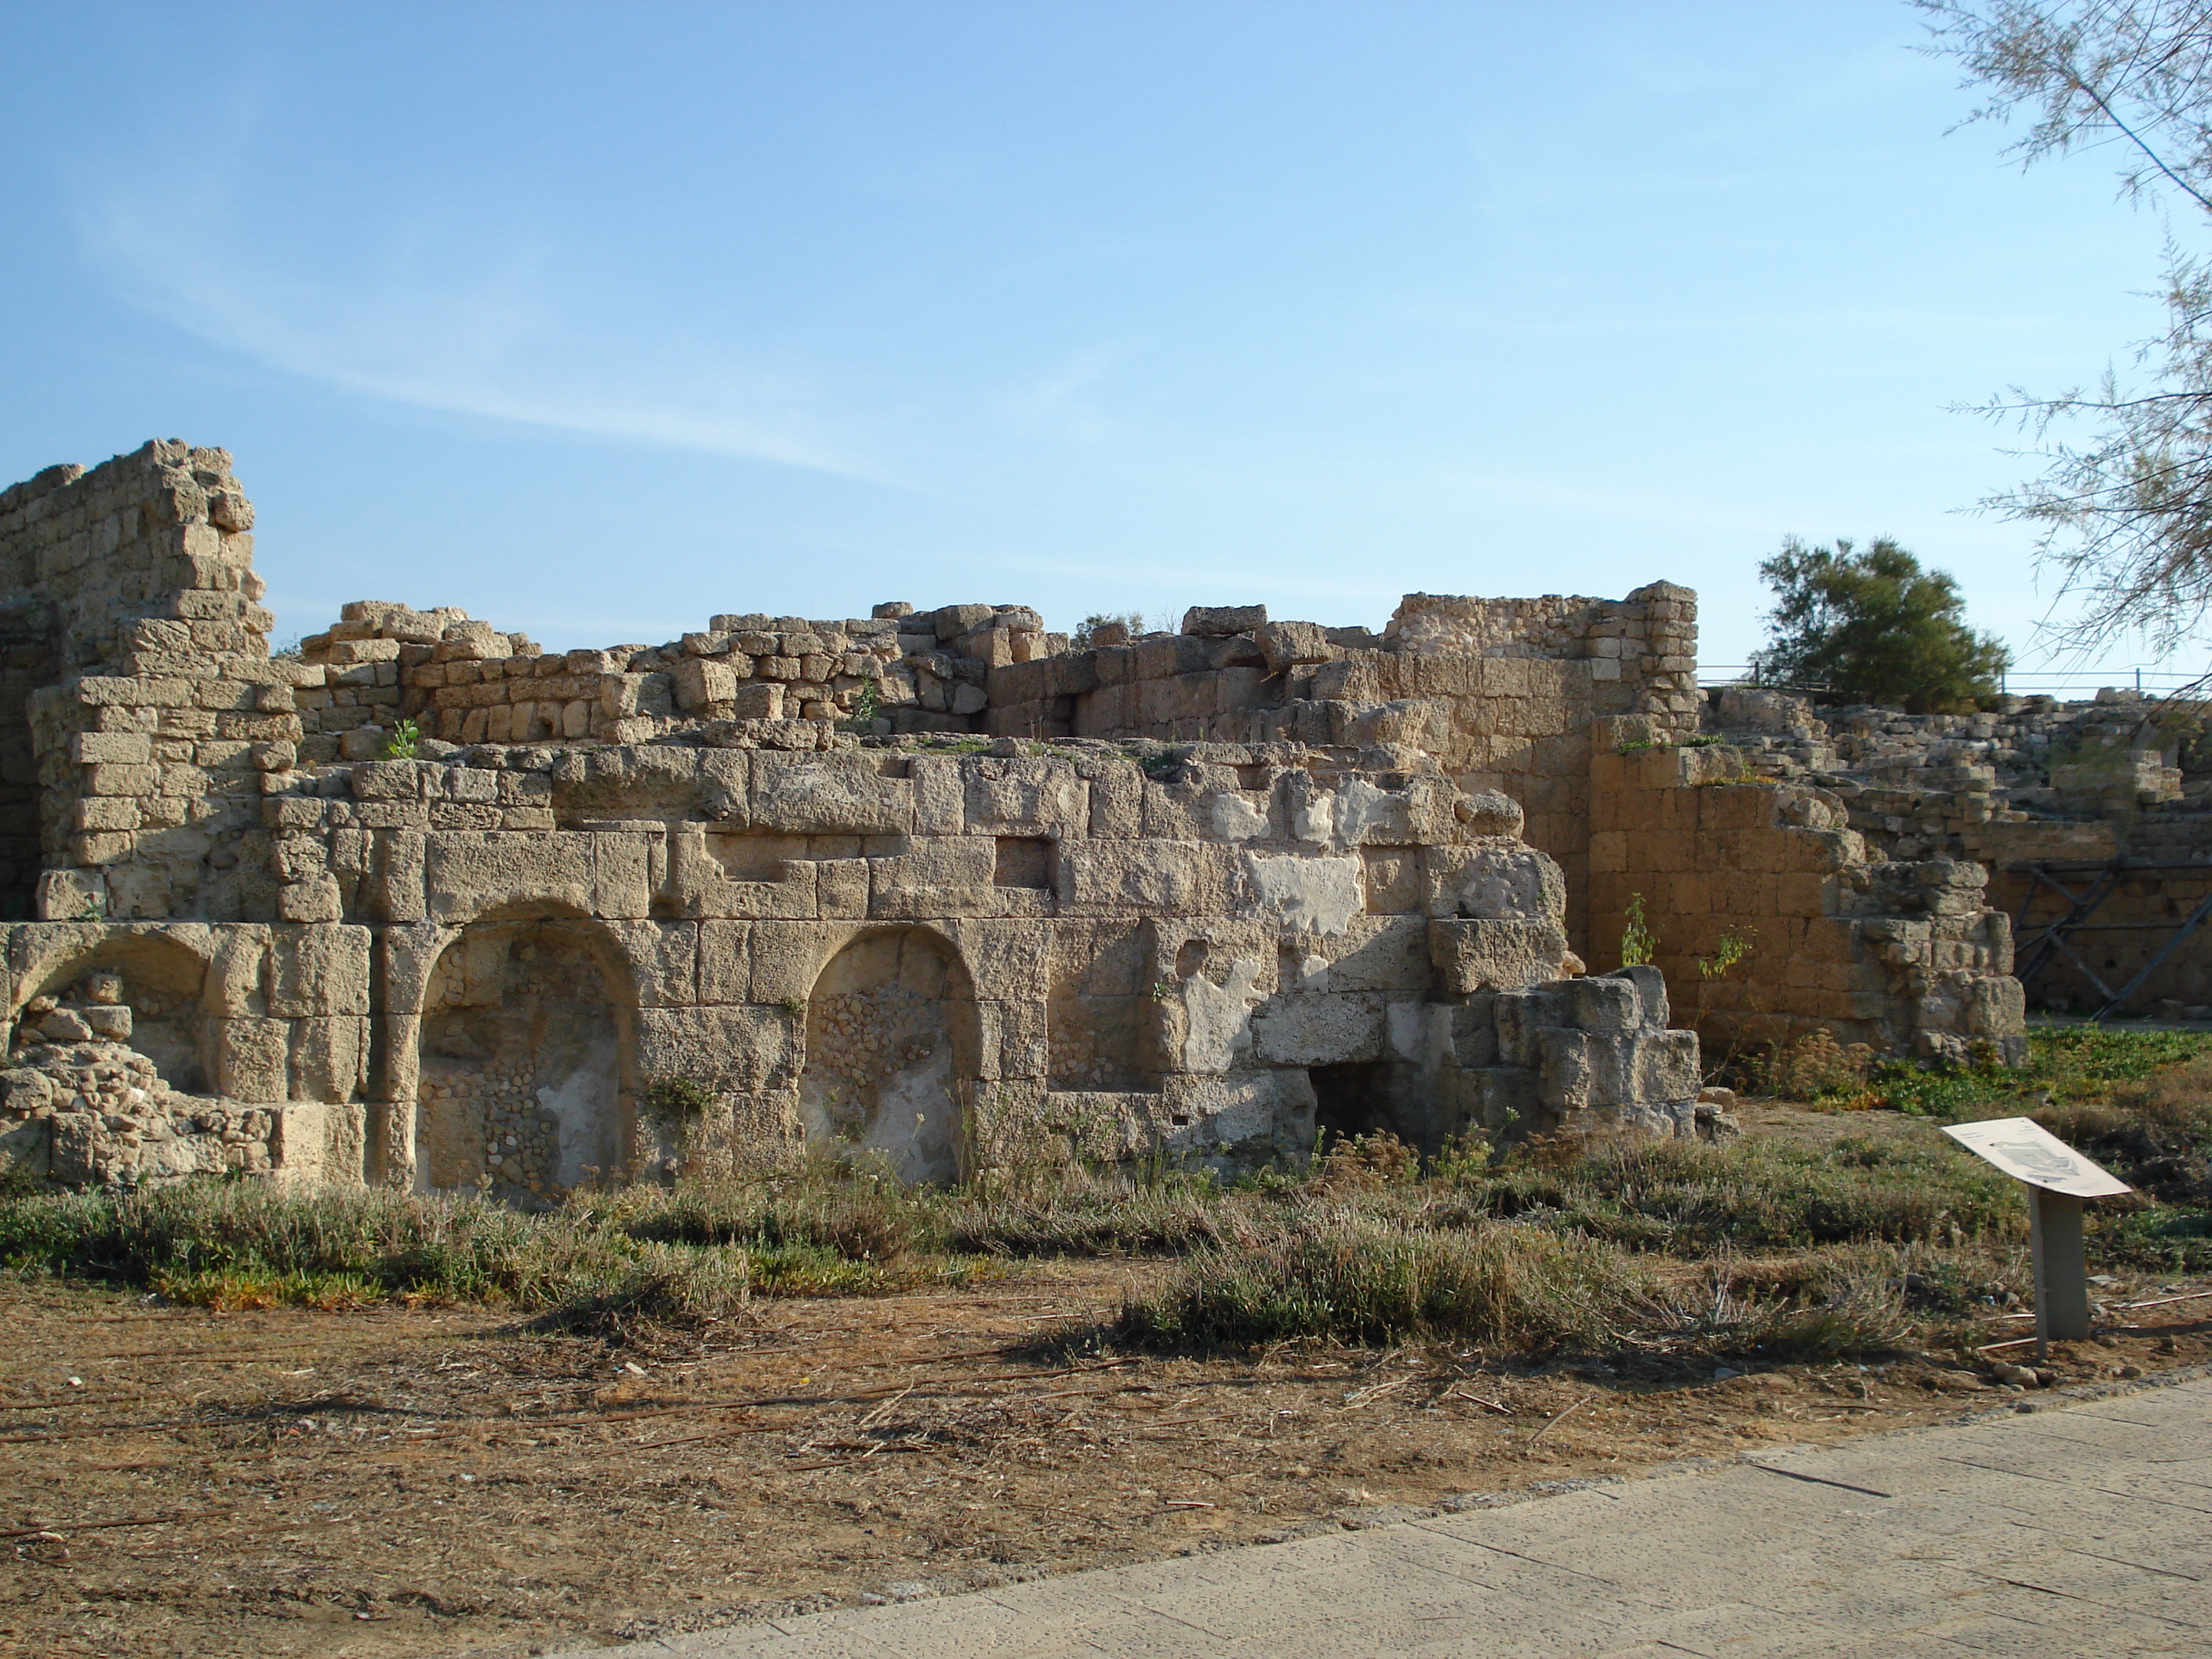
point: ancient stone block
(744, 1047)
(318, 971)
(469, 873)
(1665, 1067)
(329, 1058)
(1241, 1120)
(1007, 960)
(662, 961)
(796, 794)
(1523, 1015)
(1026, 793)
(251, 1058)
(1013, 1040)
(1143, 878)
(1494, 955)
(724, 968)
(1606, 1006)
(1385, 953)
(950, 875)
(1493, 878)
(1332, 1029)
(1218, 621)
(1289, 644)
(786, 958)
(1475, 1032)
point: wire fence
(2076, 686)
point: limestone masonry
(930, 884)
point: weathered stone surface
(930, 883)
(797, 795)
(1213, 622)
(1330, 1028)
(1308, 895)
(1290, 644)
(1494, 955)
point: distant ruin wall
(2030, 781)
(1906, 957)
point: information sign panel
(2027, 1152)
(2058, 1178)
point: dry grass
(1565, 1243)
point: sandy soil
(438, 1481)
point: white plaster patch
(1311, 896)
(582, 1105)
(1315, 818)
(914, 1121)
(1219, 1018)
(1236, 819)
(1364, 814)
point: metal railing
(2067, 686)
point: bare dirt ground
(435, 1482)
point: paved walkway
(2076, 1529)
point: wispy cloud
(1064, 399)
(447, 324)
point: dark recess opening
(1024, 861)
(1352, 1100)
(28, 662)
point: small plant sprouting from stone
(404, 737)
(864, 701)
(673, 1104)
(1163, 989)
(95, 908)
(1639, 943)
(1636, 746)
(795, 1006)
(1734, 945)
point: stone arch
(527, 1067)
(159, 980)
(892, 1042)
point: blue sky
(597, 320)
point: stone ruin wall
(1902, 956)
(2032, 780)
(928, 885)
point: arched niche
(161, 980)
(525, 1084)
(892, 1047)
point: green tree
(1873, 627)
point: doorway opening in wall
(1352, 1100)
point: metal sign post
(2057, 1178)
(2061, 1269)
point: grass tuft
(1566, 1242)
(1354, 1277)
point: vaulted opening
(523, 1088)
(892, 1045)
